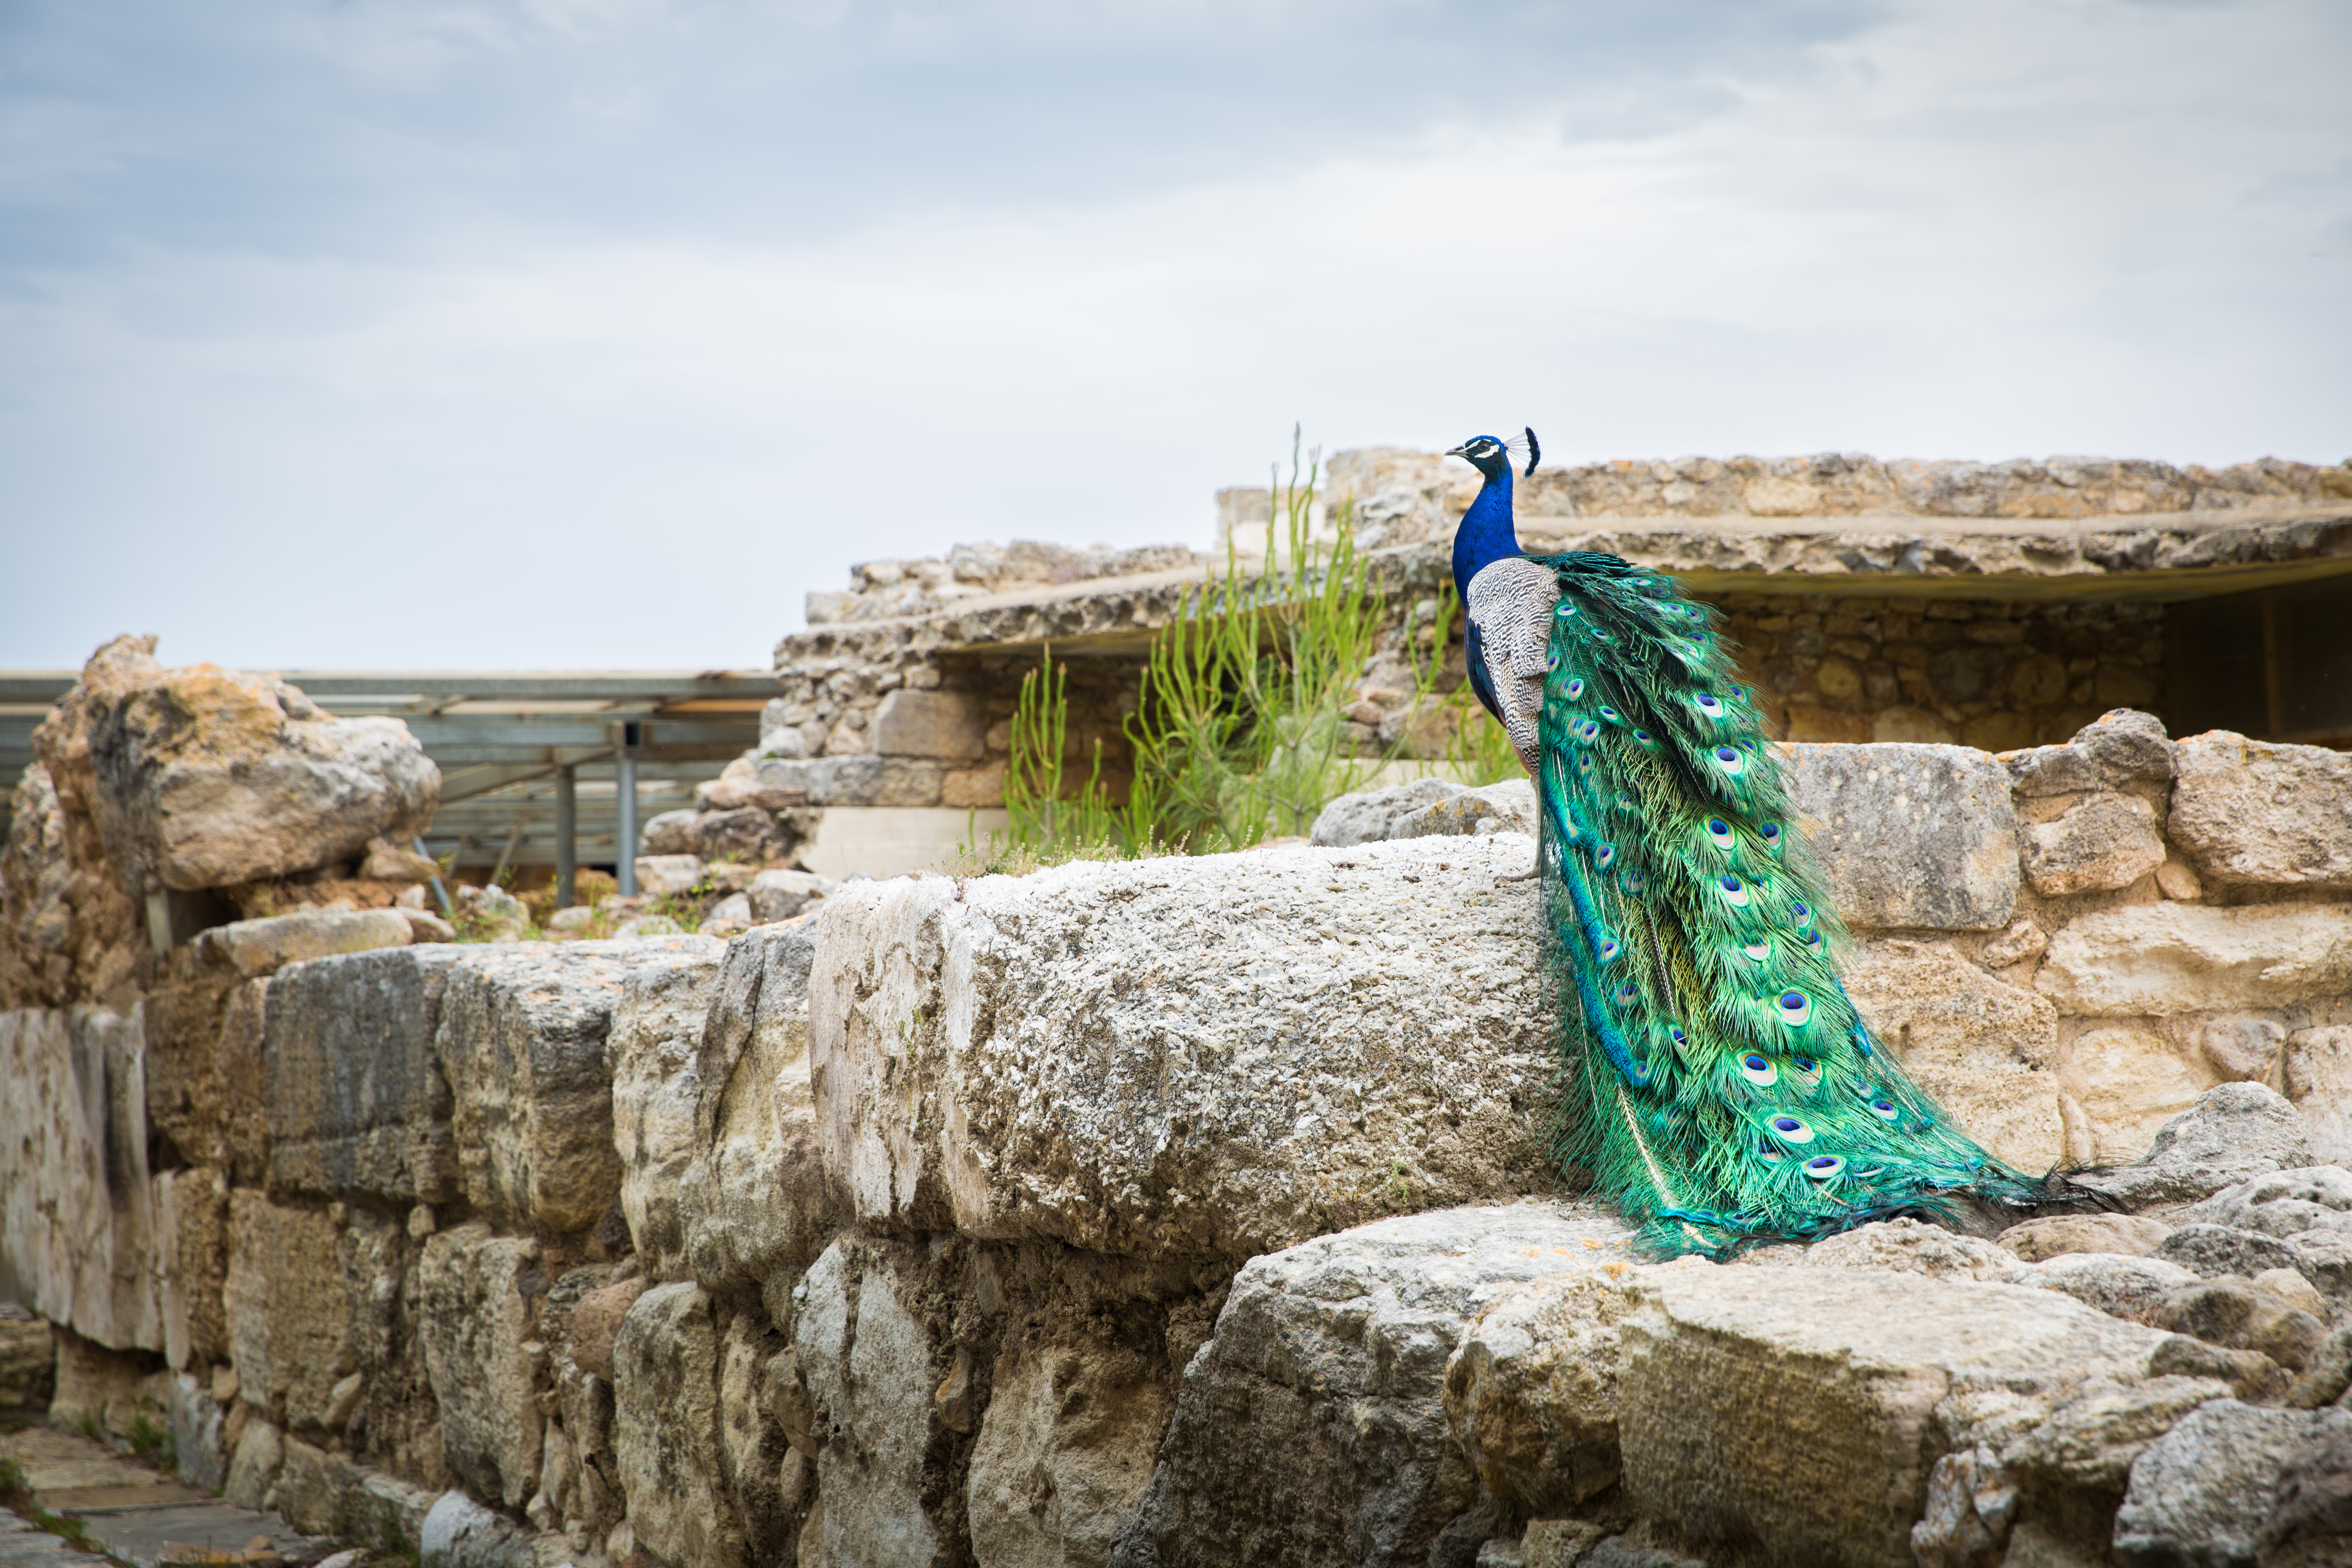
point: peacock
(1719, 1084)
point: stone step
(133, 1511)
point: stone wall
(1006, 1221)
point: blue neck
(1486, 534)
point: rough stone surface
(949, 726)
(1910, 835)
(2189, 958)
(265, 946)
(1505, 807)
(458, 1532)
(522, 1043)
(2102, 842)
(191, 1256)
(1371, 816)
(1184, 1055)
(2131, 1080)
(2234, 1133)
(2252, 812)
(2289, 1202)
(1826, 1405)
(289, 1317)
(2133, 1288)
(2055, 1236)
(1531, 1390)
(1987, 1051)
(666, 1434)
(2202, 1492)
(2317, 1073)
(207, 777)
(479, 1329)
(778, 895)
(78, 1244)
(353, 1094)
(1061, 1457)
(1333, 1354)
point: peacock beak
(1458, 452)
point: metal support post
(567, 838)
(624, 850)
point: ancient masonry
(1171, 1212)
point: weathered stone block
(207, 777)
(2103, 841)
(1910, 835)
(667, 1433)
(2131, 1236)
(1531, 1390)
(1505, 807)
(1223, 1054)
(1985, 1050)
(868, 1359)
(1062, 1458)
(2250, 811)
(2201, 1493)
(2189, 958)
(352, 1095)
(777, 784)
(1332, 1355)
(480, 1296)
(778, 895)
(256, 948)
(2318, 1077)
(669, 833)
(1830, 1395)
(2132, 1081)
(1371, 816)
(289, 1319)
(522, 1043)
(665, 875)
(950, 726)
(191, 1246)
(2235, 1132)
(77, 1234)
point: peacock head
(1492, 458)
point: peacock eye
(1822, 1167)
(1757, 1069)
(1757, 950)
(1734, 890)
(1720, 832)
(1610, 713)
(1628, 994)
(1575, 690)
(1883, 1110)
(1608, 950)
(1796, 1008)
(1730, 759)
(1792, 1129)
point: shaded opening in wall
(2274, 663)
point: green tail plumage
(1721, 1087)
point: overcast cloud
(595, 332)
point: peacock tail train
(1720, 1086)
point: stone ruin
(1156, 1213)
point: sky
(595, 334)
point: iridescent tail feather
(1719, 1084)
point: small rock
(2091, 1441)
(2287, 1203)
(2326, 1375)
(261, 947)
(2252, 1376)
(1505, 807)
(2054, 1236)
(2202, 1493)
(2021, 941)
(569, 925)
(426, 927)
(2103, 841)
(1618, 1552)
(2126, 746)
(1371, 816)
(2213, 1250)
(2232, 1313)
(2311, 1523)
(1915, 1246)
(734, 907)
(659, 876)
(2132, 1289)
(671, 833)
(388, 862)
(777, 895)
(1558, 1542)
(2234, 1133)
(649, 925)
(2242, 1049)
(2293, 1289)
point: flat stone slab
(22, 1546)
(132, 1511)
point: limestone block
(192, 1248)
(119, 1392)
(2287, 1202)
(1531, 1390)
(1910, 835)
(1985, 1050)
(199, 1433)
(2102, 841)
(770, 1486)
(79, 1240)
(255, 948)
(778, 895)
(522, 1044)
(253, 1469)
(777, 783)
(1062, 1455)
(1505, 807)
(479, 1295)
(669, 833)
(1332, 1357)
(2242, 1046)
(2055, 1236)
(1827, 1402)
(244, 1120)
(289, 1317)
(2249, 811)
(1371, 816)
(1223, 1054)
(458, 1532)
(950, 726)
(354, 1098)
(2133, 1288)
(765, 1204)
(2132, 1082)
(869, 1359)
(667, 1433)
(2235, 1132)
(748, 837)
(579, 1322)
(2189, 958)
(2119, 748)
(28, 1364)
(2202, 1493)
(656, 1046)
(206, 777)
(664, 876)
(2317, 1072)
